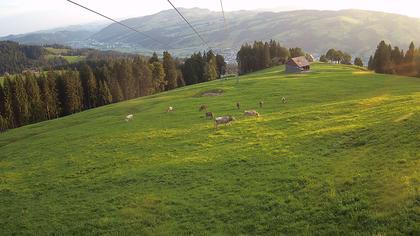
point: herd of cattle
(217, 120)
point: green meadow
(341, 157)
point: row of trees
(393, 60)
(31, 98)
(261, 55)
(203, 67)
(340, 57)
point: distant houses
(297, 65)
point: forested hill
(354, 31)
(15, 58)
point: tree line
(340, 57)
(29, 98)
(393, 60)
(261, 55)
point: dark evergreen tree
(382, 59)
(3, 120)
(169, 68)
(36, 112)
(409, 67)
(221, 65)
(296, 52)
(143, 74)
(7, 113)
(358, 61)
(116, 91)
(158, 77)
(20, 102)
(70, 92)
(104, 94)
(89, 86)
(154, 58)
(49, 96)
(371, 65)
(266, 58)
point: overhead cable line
(223, 13)
(192, 27)
(118, 22)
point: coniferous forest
(33, 97)
(393, 60)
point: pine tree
(180, 79)
(70, 92)
(417, 61)
(116, 92)
(296, 52)
(89, 86)
(371, 65)
(221, 65)
(8, 114)
(143, 76)
(382, 59)
(210, 72)
(124, 74)
(104, 94)
(158, 77)
(409, 68)
(49, 97)
(266, 60)
(20, 102)
(3, 120)
(170, 71)
(36, 112)
(154, 58)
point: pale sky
(22, 16)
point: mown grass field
(341, 157)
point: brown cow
(223, 120)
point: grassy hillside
(341, 156)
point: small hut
(297, 65)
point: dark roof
(298, 61)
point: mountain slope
(341, 156)
(355, 31)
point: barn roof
(298, 61)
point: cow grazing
(129, 117)
(238, 105)
(203, 108)
(261, 104)
(170, 109)
(283, 100)
(209, 115)
(252, 113)
(223, 120)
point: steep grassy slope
(342, 156)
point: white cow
(129, 117)
(170, 109)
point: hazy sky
(20, 16)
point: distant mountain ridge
(354, 31)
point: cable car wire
(192, 27)
(118, 22)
